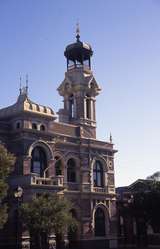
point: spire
(77, 32)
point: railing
(54, 181)
(99, 190)
(111, 190)
(78, 65)
(108, 189)
(72, 186)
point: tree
(155, 176)
(146, 205)
(7, 161)
(46, 214)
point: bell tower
(79, 88)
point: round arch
(77, 165)
(104, 165)
(38, 161)
(104, 170)
(74, 235)
(61, 163)
(102, 160)
(76, 159)
(61, 156)
(44, 145)
(101, 216)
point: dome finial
(27, 84)
(110, 138)
(77, 32)
(20, 84)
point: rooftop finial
(110, 138)
(20, 84)
(27, 84)
(77, 32)
(23, 89)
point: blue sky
(125, 37)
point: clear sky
(125, 37)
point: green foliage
(155, 176)
(7, 161)
(3, 215)
(146, 205)
(48, 213)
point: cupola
(78, 54)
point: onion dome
(78, 54)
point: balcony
(56, 181)
(99, 190)
(111, 189)
(72, 186)
(34, 180)
(79, 65)
(106, 190)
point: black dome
(78, 51)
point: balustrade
(54, 181)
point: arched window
(42, 128)
(18, 125)
(38, 161)
(73, 233)
(71, 106)
(73, 213)
(99, 222)
(71, 170)
(34, 126)
(58, 166)
(98, 174)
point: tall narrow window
(71, 170)
(98, 174)
(73, 233)
(88, 107)
(38, 161)
(71, 106)
(42, 128)
(99, 222)
(18, 125)
(34, 126)
(58, 166)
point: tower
(79, 88)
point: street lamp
(131, 199)
(18, 195)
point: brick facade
(69, 138)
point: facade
(60, 153)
